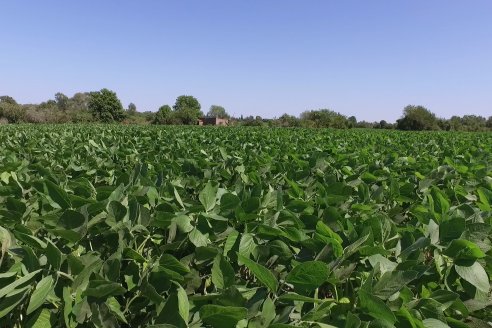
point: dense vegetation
(107, 226)
(104, 106)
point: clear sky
(256, 57)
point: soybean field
(148, 226)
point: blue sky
(357, 57)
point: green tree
(352, 122)
(7, 100)
(324, 118)
(488, 124)
(454, 123)
(381, 125)
(287, 120)
(164, 115)
(62, 101)
(417, 118)
(217, 111)
(10, 110)
(473, 123)
(80, 101)
(132, 109)
(187, 110)
(252, 121)
(106, 107)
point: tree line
(104, 106)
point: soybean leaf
(374, 307)
(222, 316)
(103, 289)
(392, 282)
(43, 288)
(475, 274)
(308, 276)
(264, 275)
(222, 273)
(207, 196)
(58, 195)
(462, 249)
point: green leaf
(420, 243)
(54, 255)
(7, 278)
(43, 288)
(251, 205)
(82, 278)
(392, 282)
(183, 304)
(171, 263)
(67, 305)
(207, 196)
(434, 323)
(115, 308)
(222, 273)
(117, 210)
(475, 275)
(462, 249)
(385, 265)
(230, 241)
(268, 312)
(246, 244)
(301, 298)
(71, 220)
(451, 229)
(197, 238)
(229, 202)
(102, 316)
(352, 321)
(326, 231)
(11, 300)
(441, 204)
(19, 283)
(485, 197)
(39, 319)
(374, 307)
(32, 241)
(222, 316)
(183, 222)
(129, 253)
(58, 195)
(6, 241)
(308, 276)
(264, 275)
(5, 176)
(102, 289)
(178, 198)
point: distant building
(213, 121)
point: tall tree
(132, 109)
(217, 111)
(324, 118)
(417, 118)
(10, 110)
(352, 121)
(80, 101)
(489, 122)
(187, 109)
(62, 101)
(106, 107)
(164, 115)
(8, 100)
(287, 120)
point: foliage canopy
(106, 107)
(121, 226)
